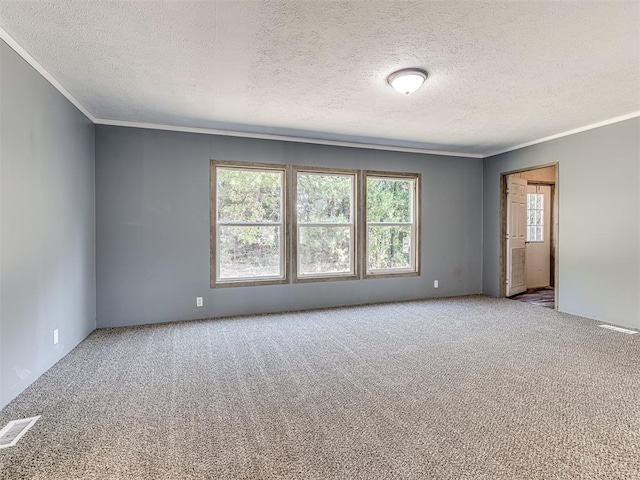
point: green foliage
(388, 201)
(249, 195)
(389, 247)
(249, 251)
(325, 249)
(324, 198)
(253, 196)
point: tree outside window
(391, 224)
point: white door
(516, 235)
(538, 236)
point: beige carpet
(466, 388)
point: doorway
(529, 235)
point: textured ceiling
(500, 73)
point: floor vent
(14, 430)
(618, 329)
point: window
(249, 237)
(346, 224)
(392, 240)
(535, 217)
(325, 234)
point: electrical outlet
(55, 336)
(199, 302)
(435, 284)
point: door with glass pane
(538, 246)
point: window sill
(248, 283)
(391, 274)
(325, 278)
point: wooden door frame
(503, 226)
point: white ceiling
(500, 73)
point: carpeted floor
(465, 388)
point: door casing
(503, 226)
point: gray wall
(152, 211)
(599, 215)
(47, 234)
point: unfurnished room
(299, 239)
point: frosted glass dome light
(407, 81)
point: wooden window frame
(416, 225)
(214, 228)
(355, 226)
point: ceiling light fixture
(407, 80)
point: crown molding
(12, 43)
(9, 40)
(284, 138)
(591, 126)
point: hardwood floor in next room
(543, 297)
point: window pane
(535, 217)
(389, 247)
(324, 198)
(324, 250)
(389, 200)
(249, 252)
(249, 195)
